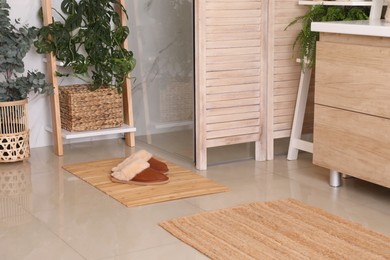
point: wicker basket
(82, 109)
(14, 133)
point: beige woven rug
(285, 229)
(183, 183)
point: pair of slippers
(141, 169)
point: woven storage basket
(82, 109)
(14, 133)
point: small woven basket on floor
(14, 133)
(82, 109)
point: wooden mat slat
(183, 183)
(284, 229)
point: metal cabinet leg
(335, 178)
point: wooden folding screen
(283, 72)
(230, 69)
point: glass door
(161, 37)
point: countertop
(368, 28)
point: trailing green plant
(14, 44)
(306, 39)
(89, 39)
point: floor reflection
(15, 193)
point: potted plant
(15, 42)
(306, 39)
(88, 38)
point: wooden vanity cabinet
(352, 106)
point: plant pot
(14, 133)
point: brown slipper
(148, 176)
(158, 165)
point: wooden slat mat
(183, 183)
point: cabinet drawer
(353, 77)
(352, 143)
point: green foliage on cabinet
(306, 39)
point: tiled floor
(47, 213)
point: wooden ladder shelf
(54, 99)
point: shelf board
(337, 3)
(109, 131)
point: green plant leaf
(73, 22)
(68, 6)
(15, 41)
